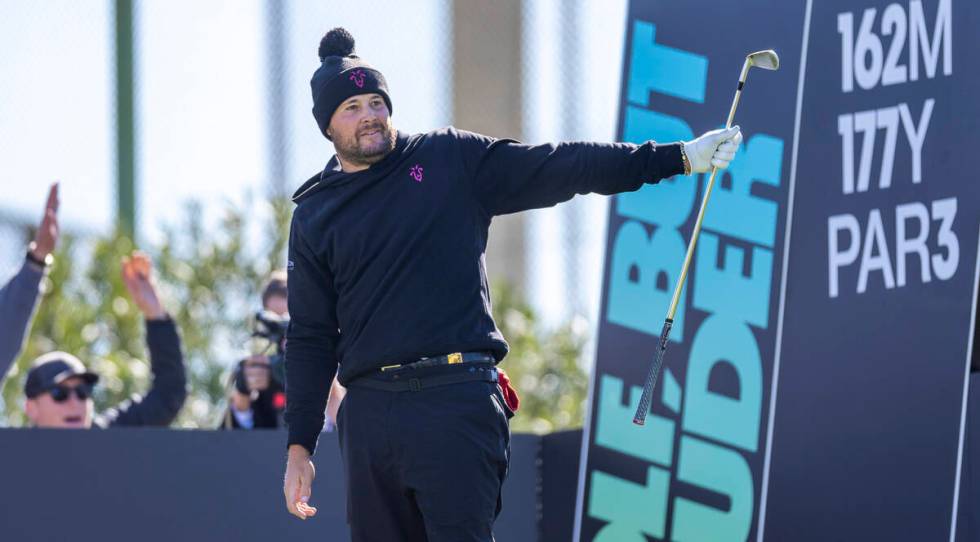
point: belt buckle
(454, 358)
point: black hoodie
(386, 265)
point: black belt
(449, 359)
(409, 383)
(404, 378)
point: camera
(269, 334)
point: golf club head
(767, 60)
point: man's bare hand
(298, 484)
(136, 271)
(47, 233)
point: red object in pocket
(510, 394)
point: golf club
(767, 60)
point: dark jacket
(169, 389)
(18, 301)
(387, 265)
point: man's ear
(30, 408)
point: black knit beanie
(341, 75)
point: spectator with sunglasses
(59, 387)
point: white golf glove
(715, 148)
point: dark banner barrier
(968, 524)
(166, 486)
(560, 454)
(151, 485)
(882, 270)
(814, 381)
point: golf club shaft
(651, 382)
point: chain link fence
(574, 51)
(55, 96)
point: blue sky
(201, 114)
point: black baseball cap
(52, 369)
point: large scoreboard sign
(814, 385)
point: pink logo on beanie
(358, 78)
(416, 173)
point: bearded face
(362, 131)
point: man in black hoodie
(388, 290)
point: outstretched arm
(509, 176)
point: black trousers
(424, 465)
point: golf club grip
(644, 407)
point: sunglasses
(60, 394)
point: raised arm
(167, 393)
(19, 296)
(18, 299)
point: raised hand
(47, 233)
(137, 276)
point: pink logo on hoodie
(416, 173)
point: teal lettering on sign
(703, 434)
(736, 211)
(653, 441)
(632, 510)
(722, 471)
(662, 69)
(645, 268)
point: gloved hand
(715, 148)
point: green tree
(544, 365)
(209, 279)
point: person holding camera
(258, 398)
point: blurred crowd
(59, 387)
